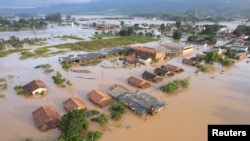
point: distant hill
(135, 6)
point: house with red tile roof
(100, 98)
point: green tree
(117, 109)
(162, 27)
(122, 23)
(178, 24)
(177, 34)
(72, 124)
(66, 66)
(212, 56)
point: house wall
(39, 90)
(160, 55)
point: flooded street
(212, 98)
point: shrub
(58, 78)
(18, 89)
(175, 85)
(202, 68)
(117, 109)
(102, 119)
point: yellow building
(181, 49)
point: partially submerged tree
(72, 124)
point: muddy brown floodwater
(221, 97)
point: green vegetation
(201, 68)
(72, 124)
(177, 34)
(117, 109)
(94, 112)
(105, 43)
(40, 51)
(44, 66)
(227, 62)
(93, 136)
(91, 63)
(3, 84)
(104, 35)
(212, 57)
(26, 54)
(230, 53)
(2, 96)
(58, 78)
(66, 66)
(175, 85)
(242, 30)
(21, 24)
(64, 37)
(54, 17)
(18, 89)
(101, 119)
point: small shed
(189, 62)
(100, 98)
(200, 56)
(46, 118)
(163, 72)
(74, 103)
(151, 77)
(173, 68)
(137, 82)
(34, 87)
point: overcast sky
(36, 2)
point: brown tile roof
(173, 68)
(46, 117)
(189, 62)
(138, 82)
(152, 77)
(33, 85)
(100, 98)
(74, 103)
(144, 49)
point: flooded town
(75, 65)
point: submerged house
(74, 103)
(163, 72)
(46, 118)
(34, 87)
(100, 98)
(189, 62)
(131, 61)
(180, 49)
(151, 77)
(137, 82)
(173, 68)
(147, 52)
(139, 102)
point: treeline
(242, 30)
(21, 24)
(25, 23)
(17, 43)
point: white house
(239, 47)
(34, 87)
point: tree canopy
(72, 124)
(177, 34)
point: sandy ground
(212, 98)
